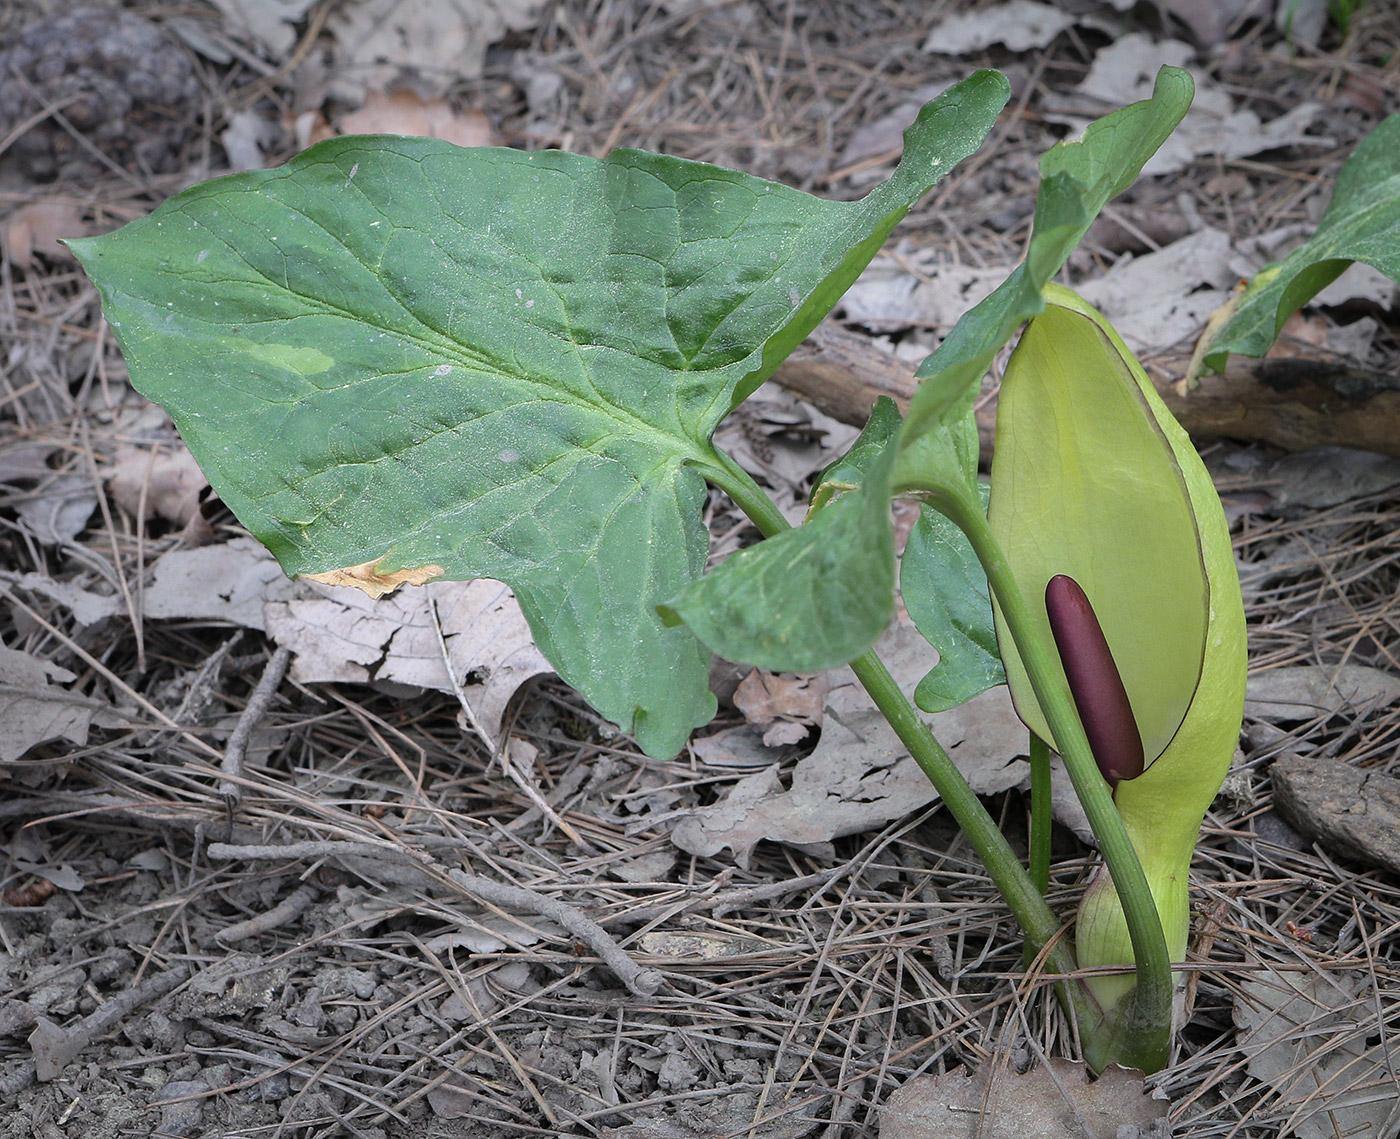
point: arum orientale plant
(398, 360)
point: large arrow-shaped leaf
(399, 359)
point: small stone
(1349, 810)
(184, 1118)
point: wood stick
(1293, 402)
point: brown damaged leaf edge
(366, 576)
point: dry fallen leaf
(36, 707)
(785, 705)
(1053, 1101)
(367, 577)
(889, 298)
(343, 635)
(1306, 1037)
(405, 113)
(160, 482)
(378, 42)
(87, 608)
(1019, 25)
(1163, 298)
(37, 227)
(860, 776)
(58, 509)
(269, 23)
(1305, 691)
(230, 582)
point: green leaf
(1077, 181)
(946, 593)
(811, 598)
(850, 470)
(398, 359)
(1362, 223)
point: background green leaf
(946, 594)
(1362, 223)
(496, 363)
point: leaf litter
(791, 1012)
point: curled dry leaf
(860, 776)
(366, 576)
(1125, 70)
(36, 229)
(160, 482)
(405, 113)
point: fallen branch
(639, 981)
(1294, 403)
(55, 1047)
(232, 763)
(283, 913)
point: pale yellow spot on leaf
(301, 359)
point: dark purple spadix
(1094, 682)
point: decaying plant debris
(330, 970)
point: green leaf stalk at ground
(410, 359)
(1362, 223)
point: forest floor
(302, 961)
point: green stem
(1146, 1028)
(1040, 813)
(747, 494)
(1022, 896)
